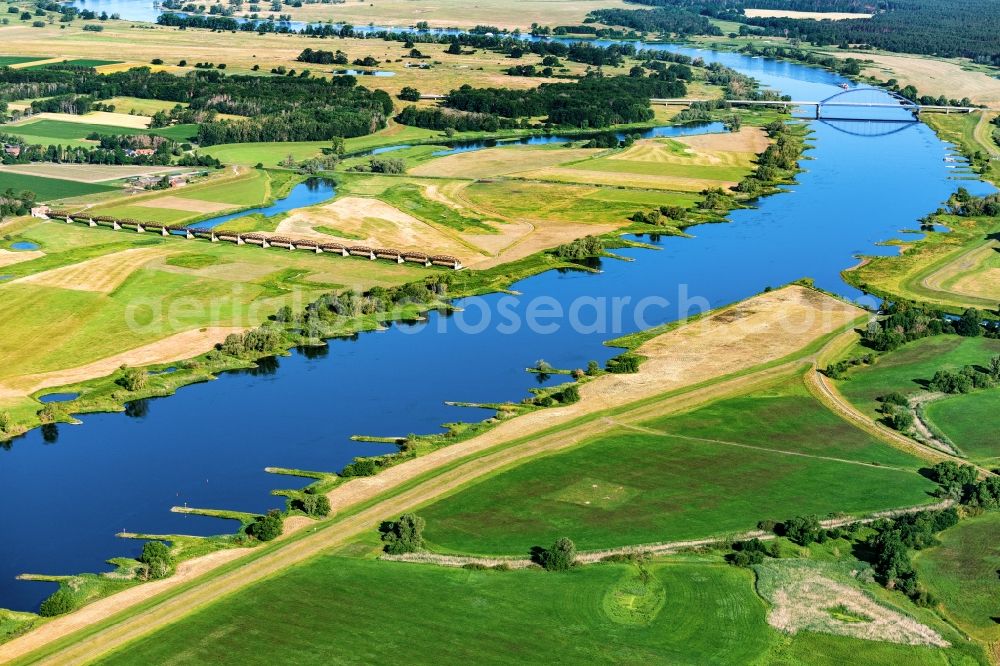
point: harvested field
(379, 224)
(102, 275)
(792, 14)
(173, 348)
(180, 203)
(97, 118)
(84, 173)
(747, 140)
(494, 162)
(975, 273)
(802, 597)
(10, 257)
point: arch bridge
(864, 103)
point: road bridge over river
(849, 104)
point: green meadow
(49, 188)
(906, 369)
(715, 470)
(972, 422)
(963, 574)
(340, 610)
(47, 131)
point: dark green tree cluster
(623, 364)
(892, 541)
(560, 556)
(313, 504)
(961, 482)
(666, 19)
(405, 535)
(896, 412)
(750, 553)
(267, 527)
(581, 248)
(254, 343)
(156, 560)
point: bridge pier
(91, 223)
(139, 228)
(215, 239)
(164, 232)
(188, 234)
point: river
(67, 491)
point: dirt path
(825, 392)
(651, 549)
(683, 371)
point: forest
(592, 102)
(956, 28)
(274, 108)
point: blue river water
(208, 445)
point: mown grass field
(962, 573)
(716, 470)
(707, 613)
(48, 189)
(972, 422)
(905, 369)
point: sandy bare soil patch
(9, 257)
(494, 162)
(803, 598)
(179, 203)
(85, 173)
(102, 274)
(792, 14)
(175, 347)
(378, 224)
(747, 140)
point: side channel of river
(68, 492)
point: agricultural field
(972, 423)
(86, 173)
(683, 610)
(9, 60)
(49, 189)
(47, 131)
(455, 13)
(718, 469)
(226, 191)
(95, 294)
(962, 573)
(76, 62)
(792, 14)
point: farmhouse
(12, 150)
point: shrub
(569, 395)
(409, 94)
(6, 422)
(315, 505)
(266, 528)
(803, 530)
(156, 556)
(623, 364)
(133, 379)
(559, 557)
(405, 535)
(59, 603)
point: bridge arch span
(867, 90)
